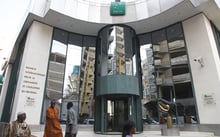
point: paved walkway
(84, 133)
(144, 134)
(87, 131)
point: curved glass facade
(167, 76)
(70, 73)
(116, 58)
(117, 79)
(163, 73)
(115, 67)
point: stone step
(182, 134)
(195, 133)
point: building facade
(177, 50)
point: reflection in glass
(117, 113)
(56, 71)
(71, 80)
(73, 62)
(116, 51)
(134, 66)
(147, 72)
(86, 86)
(117, 54)
(166, 75)
(148, 81)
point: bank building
(117, 61)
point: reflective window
(71, 80)
(86, 87)
(72, 70)
(56, 71)
(216, 33)
(118, 56)
(166, 77)
(55, 75)
(116, 51)
(147, 66)
(70, 73)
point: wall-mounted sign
(209, 99)
(117, 8)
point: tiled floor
(144, 134)
(149, 131)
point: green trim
(117, 84)
(1, 79)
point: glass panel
(149, 86)
(72, 70)
(86, 85)
(166, 76)
(144, 38)
(116, 52)
(133, 63)
(55, 76)
(56, 71)
(158, 36)
(110, 115)
(116, 58)
(216, 33)
(117, 111)
(183, 92)
(71, 80)
(174, 31)
(148, 78)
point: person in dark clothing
(128, 129)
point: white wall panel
(153, 7)
(71, 7)
(105, 14)
(32, 76)
(130, 14)
(201, 44)
(39, 7)
(141, 10)
(57, 5)
(94, 12)
(167, 4)
(82, 10)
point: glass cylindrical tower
(118, 88)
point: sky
(12, 15)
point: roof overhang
(180, 12)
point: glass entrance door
(117, 114)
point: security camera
(199, 60)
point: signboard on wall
(117, 8)
(209, 99)
(32, 75)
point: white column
(30, 87)
(205, 67)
